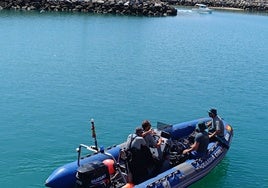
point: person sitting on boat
(201, 141)
(138, 164)
(216, 126)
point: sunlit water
(58, 70)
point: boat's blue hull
(181, 175)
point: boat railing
(79, 150)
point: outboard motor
(93, 175)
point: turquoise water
(59, 70)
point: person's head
(146, 125)
(200, 127)
(139, 131)
(212, 112)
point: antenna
(93, 132)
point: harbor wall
(121, 7)
(129, 7)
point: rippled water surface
(58, 70)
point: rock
(122, 7)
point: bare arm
(214, 133)
(209, 123)
(193, 147)
(159, 142)
(147, 132)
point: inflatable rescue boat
(109, 167)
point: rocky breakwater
(121, 7)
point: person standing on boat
(136, 140)
(151, 142)
(148, 135)
(138, 165)
(201, 141)
(216, 126)
(154, 142)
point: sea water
(59, 70)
